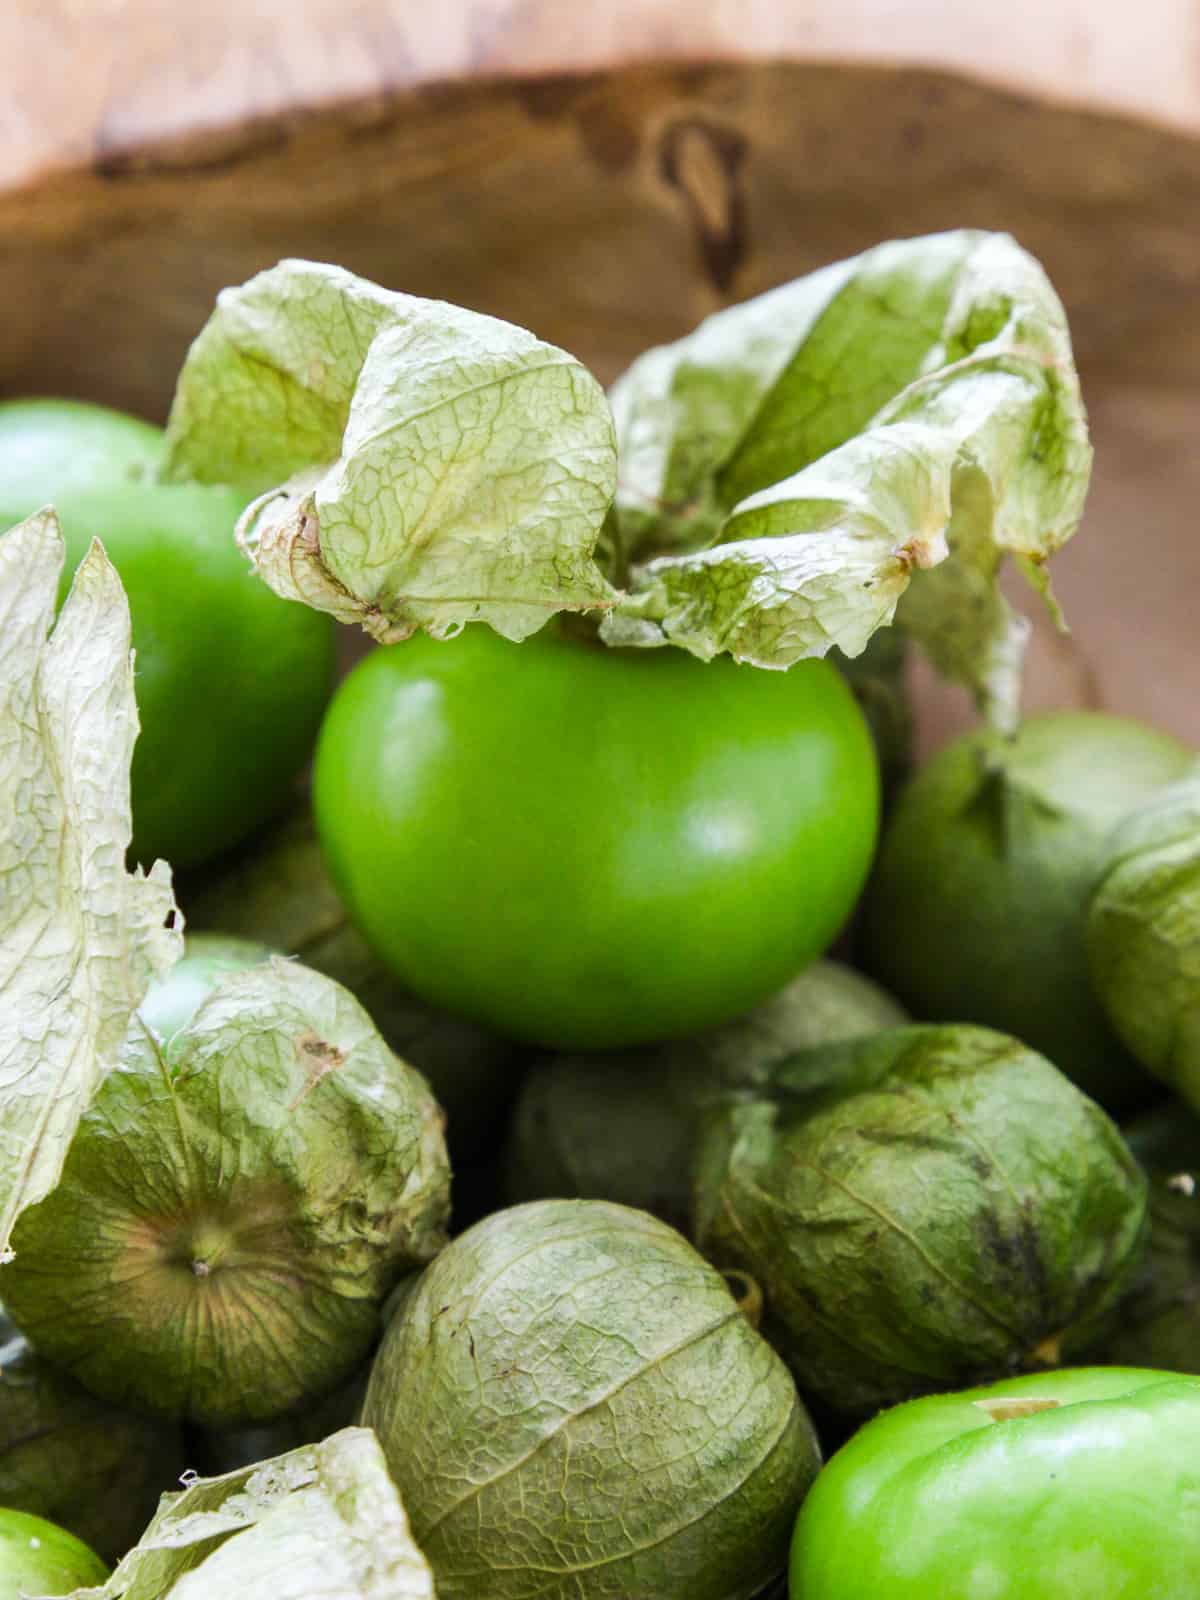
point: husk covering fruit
(977, 908)
(572, 1405)
(235, 1206)
(922, 1208)
(1144, 935)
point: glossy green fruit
(38, 1558)
(1073, 1485)
(588, 847)
(235, 1206)
(70, 447)
(977, 908)
(230, 679)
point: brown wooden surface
(88, 78)
(607, 179)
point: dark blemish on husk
(318, 1058)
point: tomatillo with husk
(924, 1207)
(1143, 935)
(572, 1404)
(977, 906)
(235, 1206)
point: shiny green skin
(53, 447)
(230, 679)
(171, 1000)
(977, 908)
(591, 848)
(1094, 1499)
(38, 1558)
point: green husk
(977, 907)
(866, 445)
(235, 1206)
(1143, 935)
(925, 1208)
(573, 1405)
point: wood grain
(608, 175)
(98, 77)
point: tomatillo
(1071, 1485)
(38, 1557)
(230, 679)
(590, 847)
(977, 908)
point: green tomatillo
(573, 1405)
(1143, 934)
(977, 908)
(589, 847)
(924, 1207)
(1072, 1485)
(230, 681)
(642, 802)
(39, 1558)
(235, 1205)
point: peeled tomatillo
(230, 679)
(39, 1558)
(590, 847)
(1072, 1485)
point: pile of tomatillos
(611, 1129)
